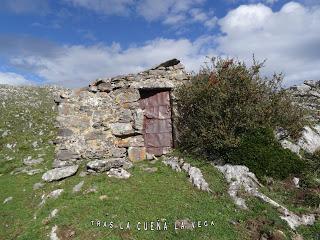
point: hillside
(154, 193)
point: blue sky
(73, 42)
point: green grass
(164, 195)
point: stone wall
(104, 121)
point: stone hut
(119, 119)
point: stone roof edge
(163, 66)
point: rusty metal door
(157, 121)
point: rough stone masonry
(103, 123)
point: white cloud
(177, 13)
(25, 6)
(78, 65)
(207, 18)
(155, 10)
(12, 78)
(289, 39)
(174, 19)
(169, 12)
(117, 7)
(269, 2)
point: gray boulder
(29, 161)
(59, 173)
(118, 173)
(106, 164)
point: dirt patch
(256, 228)
(126, 235)
(66, 232)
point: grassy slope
(143, 197)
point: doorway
(157, 129)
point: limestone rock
(296, 181)
(121, 129)
(118, 173)
(53, 234)
(59, 173)
(104, 87)
(29, 161)
(105, 164)
(91, 190)
(125, 116)
(310, 140)
(77, 188)
(138, 119)
(59, 163)
(126, 95)
(134, 141)
(52, 215)
(64, 155)
(28, 170)
(8, 199)
(55, 193)
(118, 152)
(38, 185)
(136, 154)
(52, 195)
(196, 178)
(286, 144)
(239, 177)
(173, 163)
(194, 173)
(150, 169)
(65, 132)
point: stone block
(105, 164)
(136, 154)
(125, 116)
(121, 129)
(65, 132)
(135, 141)
(105, 87)
(127, 95)
(65, 155)
(138, 118)
(118, 152)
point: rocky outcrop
(307, 96)
(239, 177)
(194, 173)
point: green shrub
(228, 110)
(311, 178)
(224, 101)
(262, 154)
